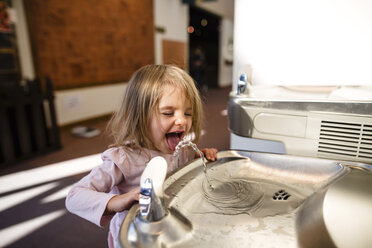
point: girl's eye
(188, 114)
(168, 113)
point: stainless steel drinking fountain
(260, 200)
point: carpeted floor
(32, 193)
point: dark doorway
(204, 33)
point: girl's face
(172, 120)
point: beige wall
(88, 102)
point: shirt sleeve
(88, 197)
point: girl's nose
(180, 120)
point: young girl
(161, 106)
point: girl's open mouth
(173, 139)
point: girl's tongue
(173, 139)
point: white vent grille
(345, 140)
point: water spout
(186, 142)
(243, 85)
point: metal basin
(256, 200)
(339, 216)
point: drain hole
(281, 195)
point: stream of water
(185, 142)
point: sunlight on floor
(17, 198)
(13, 233)
(48, 173)
(56, 196)
(30, 181)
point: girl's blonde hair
(130, 124)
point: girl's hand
(123, 202)
(209, 153)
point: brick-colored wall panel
(83, 43)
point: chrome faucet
(242, 84)
(152, 207)
(152, 223)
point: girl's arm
(89, 197)
(122, 202)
